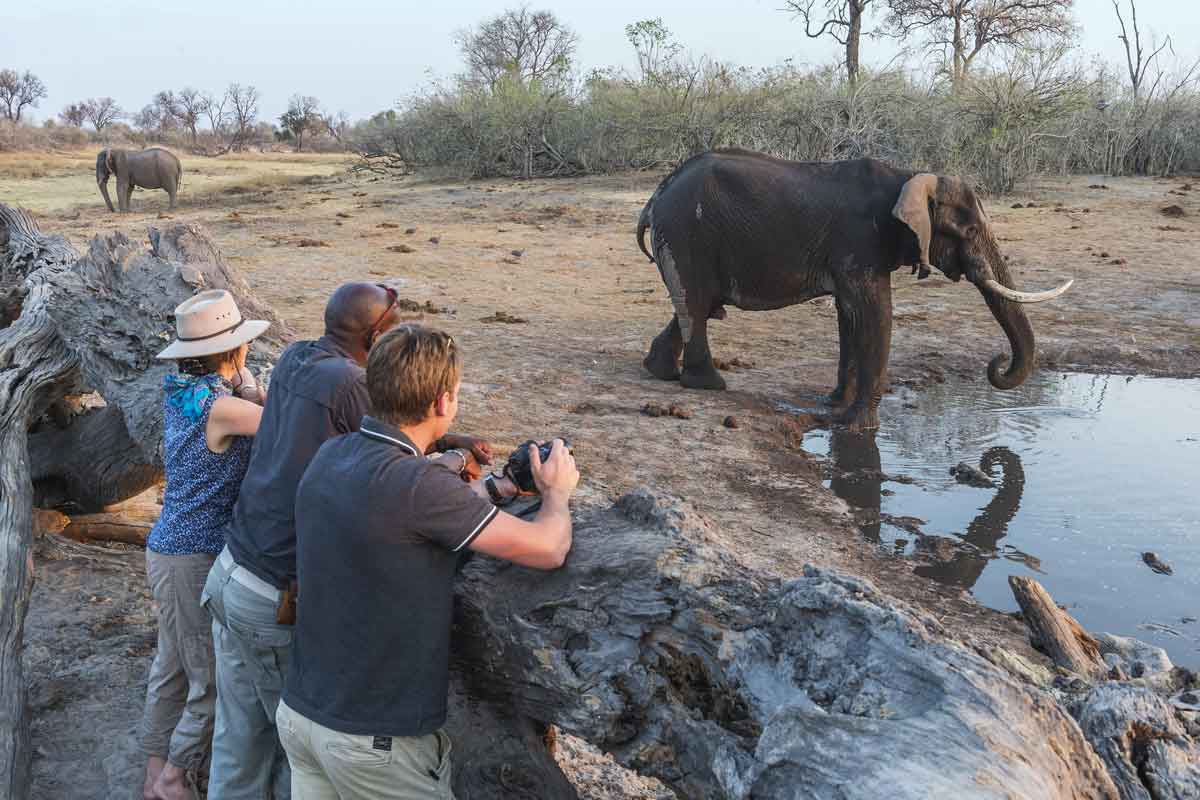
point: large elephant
(740, 228)
(152, 168)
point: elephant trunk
(1015, 323)
(102, 173)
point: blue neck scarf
(187, 393)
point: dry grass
(64, 180)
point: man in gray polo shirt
(318, 391)
(380, 531)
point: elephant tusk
(1025, 297)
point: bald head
(352, 311)
(354, 308)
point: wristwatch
(458, 452)
(494, 493)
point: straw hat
(210, 323)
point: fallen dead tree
(659, 647)
(75, 326)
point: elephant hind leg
(691, 319)
(699, 372)
(663, 359)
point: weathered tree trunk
(1149, 754)
(659, 647)
(855, 10)
(91, 463)
(1055, 632)
(32, 360)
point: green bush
(1035, 113)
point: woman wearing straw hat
(211, 409)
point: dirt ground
(544, 287)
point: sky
(362, 56)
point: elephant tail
(644, 222)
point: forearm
(554, 520)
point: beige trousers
(328, 765)
(177, 723)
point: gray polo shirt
(317, 392)
(380, 530)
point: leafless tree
(243, 111)
(336, 125)
(303, 114)
(189, 106)
(966, 28)
(1136, 58)
(841, 20)
(149, 120)
(529, 45)
(101, 112)
(213, 109)
(74, 115)
(18, 92)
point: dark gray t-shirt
(317, 392)
(380, 531)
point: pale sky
(360, 56)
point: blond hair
(408, 369)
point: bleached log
(1055, 632)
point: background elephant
(152, 168)
(740, 228)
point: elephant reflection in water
(858, 477)
(984, 533)
(859, 481)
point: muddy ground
(560, 257)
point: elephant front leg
(663, 358)
(699, 372)
(869, 315)
(123, 192)
(847, 374)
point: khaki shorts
(329, 765)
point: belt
(247, 578)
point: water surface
(1090, 471)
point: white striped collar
(383, 437)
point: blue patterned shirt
(202, 486)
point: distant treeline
(1030, 108)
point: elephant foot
(857, 418)
(705, 377)
(836, 399)
(661, 365)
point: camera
(519, 469)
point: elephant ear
(912, 208)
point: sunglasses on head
(393, 298)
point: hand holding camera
(543, 468)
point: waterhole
(1089, 473)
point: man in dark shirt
(380, 530)
(318, 391)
